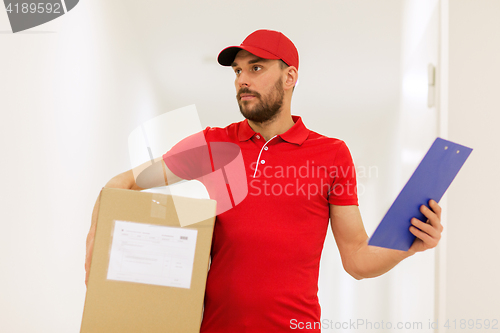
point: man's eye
(257, 68)
(238, 71)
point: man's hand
(148, 175)
(363, 261)
(90, 250)
(90, 241)
(428, 233)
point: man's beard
(268, 108)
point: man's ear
(292, 76)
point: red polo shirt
(266, 249)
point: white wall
(417, 129)
(72, 90)
(472, 251)
(65, 123)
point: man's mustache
(245, 90)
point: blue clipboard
(430, 180)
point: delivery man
(266, 249)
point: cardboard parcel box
(149, 264)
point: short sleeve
(190, 158)
(343, 189)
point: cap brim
(226, 56)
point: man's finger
(428, 240)
(435, 207)
(434, 219)
(425, 227)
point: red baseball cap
(265, 44)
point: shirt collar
(245, 132)
(297, 134)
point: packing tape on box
(159, 206)
(189, 211)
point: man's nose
(243, 80)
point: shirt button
(257, 136)
(265, 148)
(262, 161)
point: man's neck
(279, 125)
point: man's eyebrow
(253, 61)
